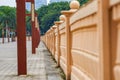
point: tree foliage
(7, 17)
(83, 2)
(7, 14)
(48, 14)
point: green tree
(28, 24)
(83, 2)
(7, 17)
(48, 14)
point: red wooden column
(33, 37)
(37, 36)
(38, 39)
(33, 26)
(39, 32)
(36, 31)
(21, 37)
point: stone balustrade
(86, 41)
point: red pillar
(38, 36)
(33, 25)
(33, 37)
(21, 37)
(37, 32)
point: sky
(11, 3)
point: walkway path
(40, 66)
(52, 70)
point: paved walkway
(40, 66)
(5, 40)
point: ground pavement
(40, 66)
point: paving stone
(40, 66)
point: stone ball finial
(54, 26)
(62, 18)
(74, 4)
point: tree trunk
(7, 33)
(2, 35)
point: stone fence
(86, 41)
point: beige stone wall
(62, 47)
(94, 40)
(85, 53)
(56, 44)
(115, 38)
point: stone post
(54, 41)
(74, 5)
(57, 23)
(58, 42)
(103, 31)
